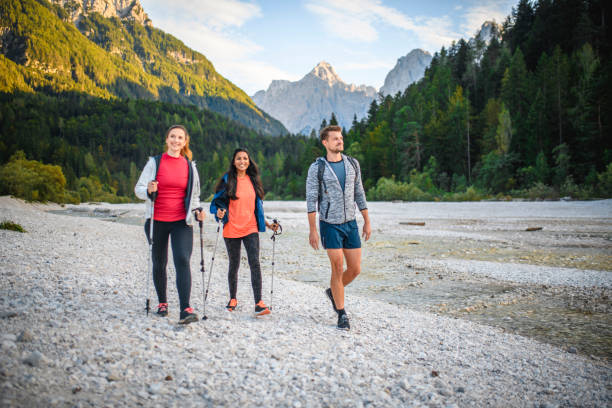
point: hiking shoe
(261, 309)
(231, 306)
(343, 322)
(329, 294)
(162, 309)
(188, 316)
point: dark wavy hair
(252, 171)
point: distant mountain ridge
(408, 69)
(302, 105)
(71, 46)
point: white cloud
(436, 32)
(214, 44)
(212, 27)
(213, 13)
(345, 25)
(254, 75)
(357, 19)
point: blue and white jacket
(336, 206)
(221, 201)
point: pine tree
(333, 121)
(516, 96)
(503, 135)
(582, 114)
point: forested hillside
(102, 145)
(42, 51)
(530, 112)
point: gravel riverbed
(74, 333)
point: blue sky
(253, 42)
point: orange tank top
(241, 220)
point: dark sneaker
(188, 316)
(162, 309)
(261, 309)
(343, 322)
(231, 306)
(328, 292)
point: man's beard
(337, 149)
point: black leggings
(182, 244)
(251, 244)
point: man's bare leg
(336, 259)
(353, 265)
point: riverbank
(74, 334)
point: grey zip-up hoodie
(337, 206)
(148, 174)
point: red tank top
(172, 177)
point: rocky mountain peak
(326, 72)
(123, 9)
(408, 69)
(303, 104)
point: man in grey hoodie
(334, 184)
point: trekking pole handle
(195, 212)
(153, 194)
(278, 230)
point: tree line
(102, 145)
(525, 115)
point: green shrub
(541, 191)
(470, 194)
(458, 183)
(387, 189)
(72, 197)
(422, 181)
(32, 180)
(91, 189)
(605, 182)
(527, 176)
(11, 226)
(495, 172)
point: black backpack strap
(322, 185)
(189, 188)
(157, 162)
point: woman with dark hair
(171, 187)
(238, 202)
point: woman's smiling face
(175, 141)
(241, 161)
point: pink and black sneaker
(188, 316)
(162, 309)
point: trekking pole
(150, 272)
(202, 261)
(204, 317)
(278, 231)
